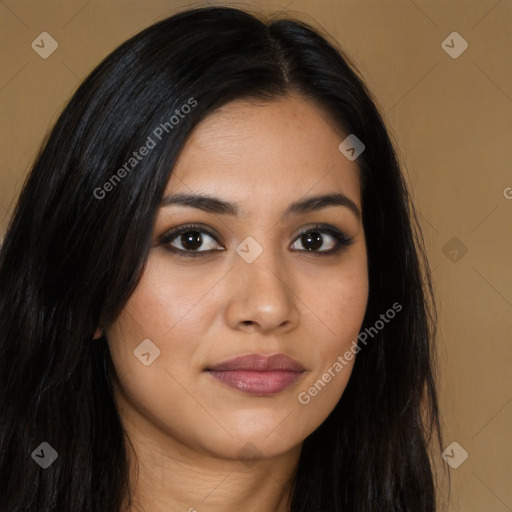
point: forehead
(254, 152)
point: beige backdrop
(450, 112)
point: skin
(186, 429)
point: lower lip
(257, 382)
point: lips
(259, 362)
(258, 374)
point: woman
(212, 296)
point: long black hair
(79, 238)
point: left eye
(191, 240)
(314, 239)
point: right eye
(187, 239)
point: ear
(98, 334)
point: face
(259, 270)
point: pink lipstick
(258, 374)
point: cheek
(344, 300)
(338, 300)
(339, 305)
(164, 309)
(168, 305)
(167, 309)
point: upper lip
(258, 362)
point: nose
(262, 295)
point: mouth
(258, 374)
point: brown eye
(190, 240)
(330, 240)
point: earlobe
(98, 334)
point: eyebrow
(215, 205)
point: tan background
(452, 121)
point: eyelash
(341, 239)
